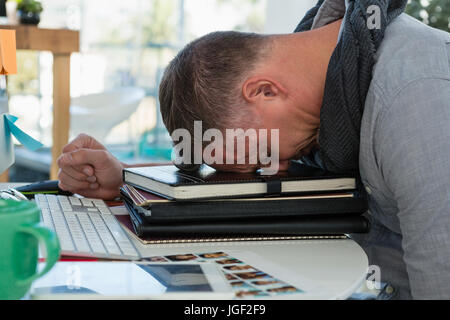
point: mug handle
(52, 247)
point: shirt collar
(330, 11)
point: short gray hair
(202, 83)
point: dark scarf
(348, 81)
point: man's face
(292, 143)
(280, 102)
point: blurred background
(124, 48)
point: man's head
(203, 82)
(232, 80)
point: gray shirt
(405, 160)
(405, 157)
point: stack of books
(167, 205)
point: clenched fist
(88, 169)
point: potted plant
(29, 11)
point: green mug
(20, 234)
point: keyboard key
(64, 237)
(123, 241)
(75, 201)
(52, 199)
(104, 210)
(87, 202)
(77, 233)
(62, 199)
(99, 203)
(66, 207)
(65, 243)
(91, 234)
(115, 227)
(47, 219)
(104, 233)
(40, 198)
(54, 206)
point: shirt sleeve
(412, 145)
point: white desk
(336, 267)
(339, 267)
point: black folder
(278, 226)
(155, 210)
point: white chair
(98, 114)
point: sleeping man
(360, 87)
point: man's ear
(257, 89)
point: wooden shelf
(59, 41)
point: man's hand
(88, 169)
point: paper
(245, 280)
(8, 52)
(6, 146)
(7, 130)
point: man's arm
(413, 151)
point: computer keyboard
(85, 227)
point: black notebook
(274, 227)
(206, 183)
(151, 239)
(157, 210)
